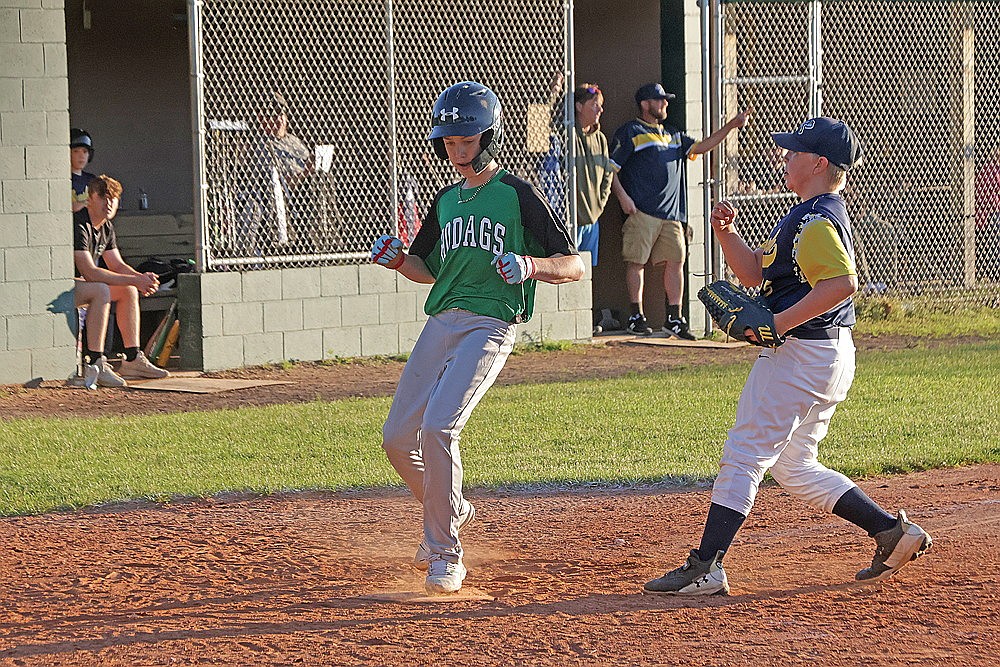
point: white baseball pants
(456, 359)
(784, 411)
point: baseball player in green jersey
(483, 243)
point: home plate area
(420, 597)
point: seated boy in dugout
(97, 288)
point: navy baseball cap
(827, 137)
(652, 91)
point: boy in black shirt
(97, 288)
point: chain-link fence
(918, 82)
(316, 113)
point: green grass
(922, 317)
(545, 345)
(909, 410)
(374, 360)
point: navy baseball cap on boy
(826, 137)
(652, 91)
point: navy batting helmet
(78, 137)
(464, 110)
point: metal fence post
(815, 58)
(715, 116)
(706, 168)
(390, 58)
(569, 118)
(198, 135)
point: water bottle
(143, 200)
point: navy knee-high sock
(862, 511)
(721, 527)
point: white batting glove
(514, 268)
(388, 252)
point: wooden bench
(142, 234)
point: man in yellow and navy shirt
(648, 158)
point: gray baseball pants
(455, 361)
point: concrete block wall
(697, 222)
(244, 319)
(36, 263)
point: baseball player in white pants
(807, 277)
(489, 223)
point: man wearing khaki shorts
(648, 158)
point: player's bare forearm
(115, 263)
(616, 187)
(96, 274)
(558, 269)
(742, 260)
(827, 294)
(413, 268)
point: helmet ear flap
(489, 149)
(486, 141)
(439, 148)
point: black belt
(833, 333)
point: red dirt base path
(287, 580)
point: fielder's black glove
(736, 313)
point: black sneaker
(637, 325)
(678, 328)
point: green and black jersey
(459, 241)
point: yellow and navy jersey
(80, 182)
(463, 233)
(650, 162)
(812, 243)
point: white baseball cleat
(694, 577)
(444, 576)
(894, 548)
(423, 555)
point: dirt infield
(322, 579)
(286, 580)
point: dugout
(128, 68)
(127, 73)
